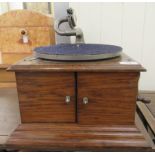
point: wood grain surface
(123, 63)
(74, 137)
(107, 121)
(6, 76)
(39, 30)
(7, 79)
(12, 57)
(19, 18)
(112, 98)
(11, 39)
(42, 97)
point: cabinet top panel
(121, 64)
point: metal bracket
(74, 31)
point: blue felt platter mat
(78, 49)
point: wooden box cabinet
(77, 105)
(42, 97)
(14, 27)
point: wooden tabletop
(4, 66)
(123, 63)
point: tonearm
(74, 31)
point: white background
(130, 25)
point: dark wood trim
(75, 137)
(31, 64)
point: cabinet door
(42, 96)
(111, 98)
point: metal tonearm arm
(74, 31)
(59, 31)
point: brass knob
(67, 99)
(85, 100)
(23, 32)
(24, 36)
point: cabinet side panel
(42, 96)
(111, 98)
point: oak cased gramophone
(83, 98)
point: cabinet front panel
(111, 98)
(42, 96)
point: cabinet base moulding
(75, 137)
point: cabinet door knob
(67, 99)
(85, 100)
